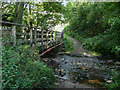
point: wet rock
(108, 81)
(109, 61)
(117, 63)
(68, 54)
(102, 62)
(74, 79)
(66, 62)
(65, 77)
(59, 77)
(62, 59)
(57, 71)
(62, 72)
(56, 83)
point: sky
(59, 27)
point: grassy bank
(67, 45)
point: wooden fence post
(56, 38)
(42, 48)
(47, 39)
(35, 36)
(52, 38)
(14, 35)
(31, 37)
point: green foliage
(67, 45)
(115, 80)
(96, 26)
(23, 69)
(46, 14)
(43, 77)
(108, 42)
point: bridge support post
(51, 38)
(35, 36)
(25, 36)
(31, 37)
(47, 39)
(54, 37)
(14, 35)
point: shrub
(108, 42)
(115, 80)
(23, 69)
(67, 45)
(43, 77)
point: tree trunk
(20, 13)
(16, 13)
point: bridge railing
(32, 35)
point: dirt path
(77, 47)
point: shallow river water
(91, 71)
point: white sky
(59, 27)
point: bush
(43, 77)
(115, 80)
(23, 69)
(67, 45)
(108, 42)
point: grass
(67, 45)
(93, 53)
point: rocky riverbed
(80, 68)
(81, 71)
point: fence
(31, 35)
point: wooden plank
(37, 34)
(23, 41)
(5, 29)
(14, 35)
(38, 30)
(18, 33)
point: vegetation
(39, 14)
(67, 45)
(23, 69)
(95, 25)
(115, 80)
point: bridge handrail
(47, 33)
(5, 22)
